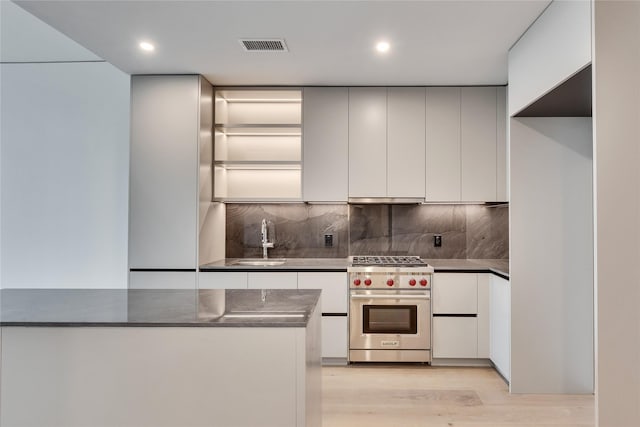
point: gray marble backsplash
(468, 231)
(299, 230)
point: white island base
(161, 376)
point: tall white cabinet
(386, 142)
(164, 175)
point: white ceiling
(24, 38)
(330, 42)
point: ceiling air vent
(264, 45)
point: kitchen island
(160, 358)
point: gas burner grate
(387, 261)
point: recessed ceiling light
(382, 47)
(146, 46)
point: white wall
(64, 175)
(554, 48)
(64, 158)
(616, 115)
(551, 255)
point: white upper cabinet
(502, 170)
(325, 139)
(466, 144)
(553, 49)
(478, 142)
(368, 142)
(163, 209)
(386, 142)
(443, 144)
(405, 142)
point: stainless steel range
(390, 309)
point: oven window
(389, 319)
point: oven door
(390, 320)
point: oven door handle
(423, 297)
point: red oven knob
(412, 282)
(390, 282)
(367, 282)
(423, 282)
(356, 282)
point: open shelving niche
(258, 145)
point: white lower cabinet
(334, 302)
(335, 342)
(461, 315)
(272, 280)
(222, 280)
(162, 280)
(455, 337)
(334, 298)
(500, 325)
(484, 281)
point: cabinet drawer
(334, 336)
(455, 293)
(275, 280)
(222, 280)
(334, 298)
(455, 337)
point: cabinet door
(455, 293)
(222, 280)
(484, 280)
(325, 139)
(405, 142)
(478, 142)
(500, 325)
(502, 171)
(334, 336)
(162, 280)
(455, 337)
(443, 144)
(163, 196)
(335, 293)
(368, 142)
(275, 280)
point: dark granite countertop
(121, 307)
(290, 264)
(497, 266)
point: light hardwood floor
(416, 395)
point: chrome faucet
(265, 239)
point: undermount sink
(260, 261)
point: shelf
(258, 146)
(260, 129)
(260, 96)
(258, 165)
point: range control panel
(390, 280)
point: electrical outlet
(328, 240)
(437, 240)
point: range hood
(386, 200)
